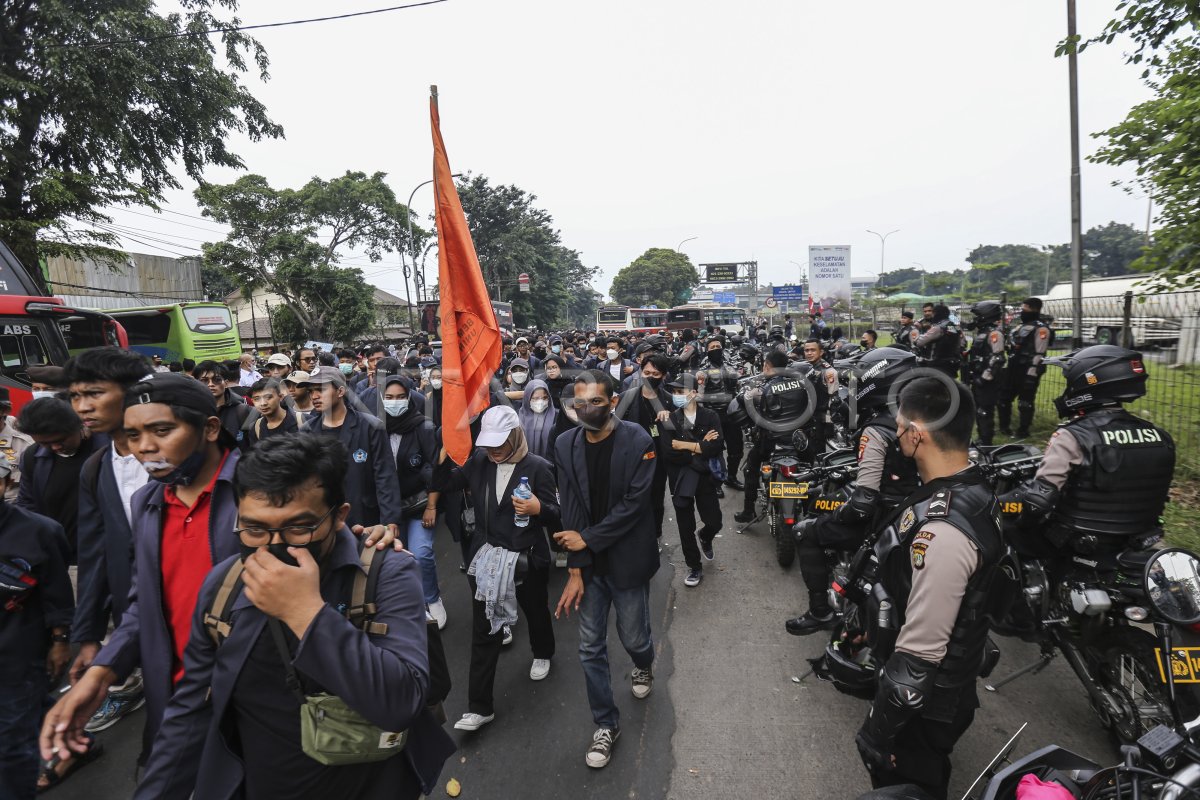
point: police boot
(819, 617)
(1024, 419)
(1004, 412)
(985, 425)
(747, 513)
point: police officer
(940, 346)
(824, 378)
(775, 340)
(885, 478)
(936, 570)
(904, 334)
(720, 386)
(1105, 474)
(1027, 347)
(984, 371)
(784, 403)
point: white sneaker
(508, 637)
(473, 722)
(540, 669)
(438, 612)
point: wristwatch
(63, 638)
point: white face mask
(395, 408)
(520, 377)
(539, 406)
(42, 393)
(612, 354)
(435, 383)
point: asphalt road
(729, 716)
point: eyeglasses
(295, 535)
(308, 358)
(598, 402)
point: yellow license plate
(1185, 664)
(789, 490)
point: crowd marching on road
(245, 549)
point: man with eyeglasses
(181, 526)
(306, 359)
(233, 725)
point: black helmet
(1099, 375)
(874, 374)
(986, 311)
(736, 340)
(736, 411)
(656, 341)
(841, 666)
(748, 352)
(776, 332)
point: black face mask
(592, 418)
(864, 343)
(280, 551)
(716, 356)
(1029, 317)
(653, 383)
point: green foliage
(1112, 249)
(1162, 136)
(273, 244)
(217, 284)
(659, 276)
(83, 127)
(512, 236)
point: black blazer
(372, 485)
(628, 533)
(105, 548)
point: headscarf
(537, 426)
(411, 419)
(520, 446)
(556, 385)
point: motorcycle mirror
(1172, 582)
(800, 440)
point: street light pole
(418, 276)
(883, 246)
(685, 241)
(1076, 201)
(922, 266)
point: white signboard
(829, 275)
(702, 294)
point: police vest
(1021, 340)
(946, 348)
(980, 356)
(903, 338)
(900, 476)
(785, 399)
(968, 503)
(720, 385)
(1120, 487)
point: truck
(1156, 315)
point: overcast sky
(760, 126)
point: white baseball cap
(496, 424)
(280, 360)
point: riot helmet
(873, 376)
(1099, 375)
(986, 312)
(776, 332)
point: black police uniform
(783, 402)
(720, 387)
(903, 338)
(984, 373)
(923, 707)
(1026, 346)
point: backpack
(218, 620)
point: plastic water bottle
(523, 492)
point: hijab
(556, 386)
(537, 426)
(411, 419)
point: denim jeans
(21, 704)
(633, 628)
(419, 541)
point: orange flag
(470, 335)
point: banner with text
(829, 275)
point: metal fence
(1165, 327)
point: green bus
(199, 331)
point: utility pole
(1076, 199)
(883, 246)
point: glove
(876, 756)
(804, 528)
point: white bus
(616, 319)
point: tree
(99, 101)
(512, 236)
(273, 244)
(1111, 250)
(216, 283)
(658, 277)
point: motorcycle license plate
(1185, 664)
(789, 489)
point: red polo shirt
(186, 560)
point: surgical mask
(556, 349)
(612, 354)
(520, 377)
(182, 475)
(539, 406)
(346, 368)
(680, 400)
(435, 383)
(41, 394)
(395, 408)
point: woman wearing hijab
(538, 419)
(493, 472)
(414, 445)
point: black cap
(49, 375)
(173, 389)
(678, 384)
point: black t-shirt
(261, 429)
(266, 717)
(61, 495)
(598, 457)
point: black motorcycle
(781, 493)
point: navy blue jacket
(628, 531)
(143, 638)
(385, 678)
(25, 633)
(104, 544)
(372, 485)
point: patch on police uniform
(918, 554)
(907, 521)
(360, 456)
(862, 445)
(939, 504)
(925, 535)
(648, 456)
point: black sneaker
(694, 577)
(720, 491)
(602, 745)
(706, 551)
(643, 681)
(810, 623)
(744, 516)
(734, 483)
